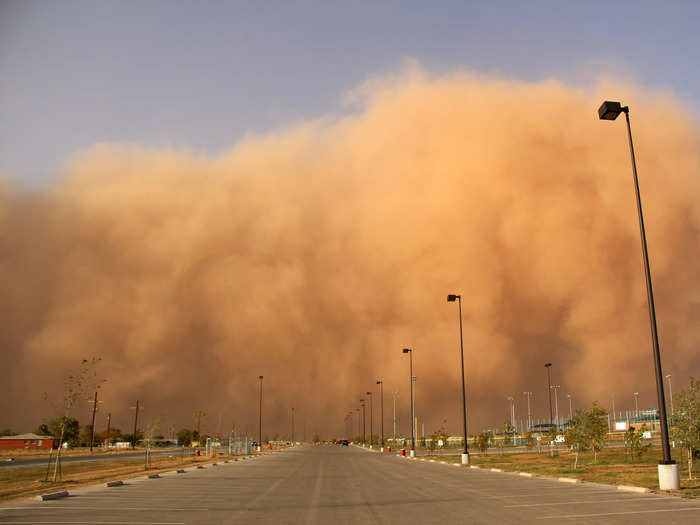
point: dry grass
(612, 467)
(28, 481)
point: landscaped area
(613, 466)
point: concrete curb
(526, 474)
(117, 483)
(496, 470)
(569, 480)
(630, 488)
(474, 466)
(53, 495)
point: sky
(201, 75)
(200, 193)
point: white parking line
(76, 509)
(559, 516)
(101, 522)
(588, 501)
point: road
(333, 484)
(80, 459)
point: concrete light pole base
(465, 459)
(669, 478)
(382, 449)
(413, 453)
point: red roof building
(28, 442)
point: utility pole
(109, 422)
(198, 416)
(636, 404)
(570, 411)
(136, 420)
(529, 414)
(292, 426)
(94, 409)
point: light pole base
(259, 448)
(669, 478)
(370, 446)
(382, 449)
(412, 454)
(465, 459)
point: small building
(28, 442)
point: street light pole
(570, 411)
(381, 401)
(358, 422)
(371, 419)
(529, 413)
(670, 392)
(668, 470)
(512, 412)
(636, 404)
(364, 428)
(260, 378)
(394, 392)
(556, 404)
(549, 390)
(465, 452)
(409, 351)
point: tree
(508, 433)
(529, 439)
(634, 447)
(685, 422)
(184, 437)
(587, 430)
(483, 442)
(597, 424)
(67, 429)
(43, 430)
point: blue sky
(199, 75)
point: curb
(569, 480)
(117, 483)
(53, 495)
(630, 488)
(526, 474)
(496, 470)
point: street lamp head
(547, 365)
(406, 350)
(610, 110)
(452, 298)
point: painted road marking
(559, 516)
(587, 501)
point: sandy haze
(314, 254)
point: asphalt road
(333, 484)
(80, 459)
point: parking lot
(334, 484)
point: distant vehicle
(338, 442)
(345, 443)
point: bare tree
(76, 388)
